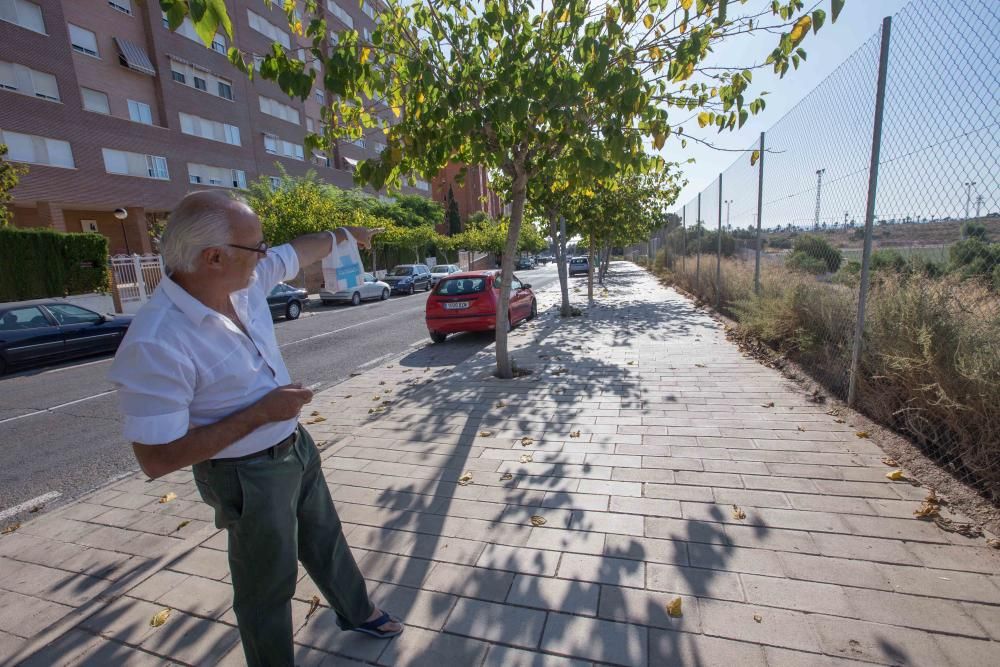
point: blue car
(408, 278)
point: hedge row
(41, 263)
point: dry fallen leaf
(838, 420)
(313, 606)
(767, 405)
(537, 520)
(527, 458)
(376, 397)
(316, 420)
(862, 434)
(801, 429)
(504, 477)
(964, 529)
(738, 513)
(525, 441)
(354, 375)
(381, 382)
(7, 530)
(386, 402)
(485, 434)
(159, 618)
(631, 363)
(758, 618)
(895, 475)
(699, 366)
(501, 404)
(372, 411)
(314, 413)
(181, 525)
(993, 543)
(465, 479)
(167, 498)
(574, 434)
(674, 608)
(889, 461)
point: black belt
(275, 451)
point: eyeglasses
(261, 247)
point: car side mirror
(526, 286)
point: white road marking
(29, 504)
(56, 407)
(330, 333)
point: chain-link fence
(874, 207)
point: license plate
(456, 305)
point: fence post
(140, 280)
(718, 252)
(883, 66)
(697, 258)
(760, 206)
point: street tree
(10, 174)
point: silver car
(371, 288)
(439, 271)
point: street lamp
(968, 196)
(120, 215)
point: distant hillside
(939, 233)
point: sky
(826, 50)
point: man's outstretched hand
(363, 235)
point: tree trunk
(590, 274)
(519, 193)
(559, 243)
(607, 263)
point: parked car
(408, 278)
(579, 265)
(545, 259)
(468, 302)
(439, 271)
(36, 333)
(370, 288)
(524, 264)
(287, 301)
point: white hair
(200, 221)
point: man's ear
(212, 257)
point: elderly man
(202, 384)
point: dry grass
(931, 362)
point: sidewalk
(635, 436)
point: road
(60, 434)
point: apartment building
(472, 192)
(110, 109)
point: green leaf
(836, 6)
(754, 157)
(818, 17)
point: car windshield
(459, 286)
(441, 269)
(402, 271)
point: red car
(468, 302)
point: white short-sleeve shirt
(183, 365)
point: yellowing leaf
(738, 513)
(647, 21)
(504, 477)
(574, 434)
(465, 479)
(800, 29)
(420, 97)
(704, 119)
(167, 498)
(754, 157)
(525, 441)
(159, 618)
(537, 520)
(895, 475)
(862, 434)
(758, 618)
(674, 608)
(891, 462)
(485, 434)
(993, 543)
(685, 5)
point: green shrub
(974, 257)
(819, 248)
(805, 263)
(889, 260)
(40, 263)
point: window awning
(351, 161)
(134, 57)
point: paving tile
(603, 570)
(422, 648)
(479, 583)
(802, 595)
(203, 562)
(502, 623)
(873, 642)
(519, 559)
(683, 529)
(669, 647)
(987, 617)
(911, 611)
(65, 649)
(416, 607)
(778, 627)
(10, 645)
(678, 492)
(647, 549)
(632, 605)
(200, 596)
(125, 620)
(506, 656)
(192, 640)
(783, 657)
(571, 596)
(593, 639)
(577, 541)
(694, 581)
(26, 616)
(323, 633)
(965, 651)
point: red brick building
(472, 195)
(110, 109)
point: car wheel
(438, 337)
(413, 289)
(293, 310)
(385, 293)
(3, 366)
(327, 302)
(356, 299)
(429, 286)
(534, 310)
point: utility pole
(979, 203)
(968, 196)
(819, 189)
(845, 220)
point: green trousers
(278, 511)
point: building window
(340, 13)
(95, 100)
(321, 96)
(201, 79)
(239, 178)
(277, 146)
(279, 110)
(177, 76)
(209, 129)
(140, 112)
(24, 80)
(124, 6)
(268, 29)
(37, 150)
(232, 134)
(271, 143)
(421, 185)
(225, 90)
(83, 40)
(310, 126)
(275, 182)
(220, 176)
(125, 163)
(219, 44)
(199, 83)
(368, 10)
(23, 13)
